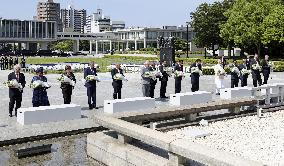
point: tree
(273, 26)
(66, 45)
(180, 44)
(245, 22)
(206, 21)
(84, 45)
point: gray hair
(17, 66)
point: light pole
(187, 23)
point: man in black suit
(91, 85)
(164, 80)
(178, 67)
(116, 83)
(15, 94)
(195, 76)
(234, 75)
(153, 81)
(1, 63)
(255, 72)
(266, 68)
(6, 62)
(223, 61)
(244, 77)
(16, 60)
(11, 62)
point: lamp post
(187, 23)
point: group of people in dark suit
(7, 63)
(264, 68)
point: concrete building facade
(49, 11)
(28, 32)
(73, 19)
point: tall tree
(245, 22)
(206, 21)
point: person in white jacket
(219, 76)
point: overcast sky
(151, 13)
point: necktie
(17, 77)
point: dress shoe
(90, 107)
(10, 115)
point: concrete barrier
(129, 104)
(181, 99)
(238, 92)
(45, 114)
(179, 150)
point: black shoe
(10, 115)
(90, 107)
(217, 94)
(96, 108)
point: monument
(167, 49)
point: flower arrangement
(168, 70)
(235, 70)
(39, 84)
(118, 76)
(178, 74)
(219, 71)
(92, 78)
(13, 84)
(65, 79)
(245, 72)
(256, 67)
(196, 70)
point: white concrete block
(129, 104)
(195, 133)
(190, 98)
(238, 92)
(45, 114)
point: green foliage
(84, 45)
(66, 45)
(180, 44)
(252, 23)
(206, 21)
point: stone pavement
(9, 128)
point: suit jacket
(116, 83)
(21, 80)
(66, 85)
(178, 68)
(165, 76)
(89, 71)
(255, 73)
(265, 67)
(153, 82)
(195, 75)
(234, 76)
(145, 80)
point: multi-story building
(73, 19)
(49, 11)
(30, 32)
(98, 23)
(116, 25)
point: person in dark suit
(178, 67)
(164, 80)
(116, 83)
(266, 68)
(11, 62)
(40, 97)
(91, 86)
(1, 63)
(67, 88)
(145, 80)
(244, 77)
(6, 62)
(15, 94)
(255, 73)
(23, 62)
(16, 60)
(153, 82)
(223, 61)
(234, 75)
(195, 76)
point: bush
(278, 68)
